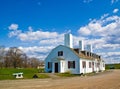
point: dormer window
(60, 53)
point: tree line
(16, 58)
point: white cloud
(113, 1)
(13, 27)
(14, 30)
(45, 39)
(102, 27)
(111, 46)
(84, 31)
(14, 33)
(53, 41)
(36, 51)
(36, 35)
(115, 10)
(87, 1)
(103, 34)
(111, 57)
(42, 49)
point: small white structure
(68, 40)
(81, 45)
(63, 58)
(89, 47)
(18, 75)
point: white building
(65, 58)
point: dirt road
(109, 80)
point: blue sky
(37, 26)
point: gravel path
(106, 80)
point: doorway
(56, 67)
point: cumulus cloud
(111, 57)
(103, 33)
(39, 52)
(54, 41)
(115, 10)
(32, 35)
(45, 40)
(14, 33)
(13, 30)
(107, 28)
(36, 35)
(13, 27)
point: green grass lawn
(112, 66)
(27, 73)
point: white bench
(18, 75)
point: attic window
(60, 53)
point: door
(56, 67)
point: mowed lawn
(112, 66)
(7, 73)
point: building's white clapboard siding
(87, 69)
(70, 55)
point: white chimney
(89, 47)
(68, 40)
(81, 45)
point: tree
(14, 57)
(2, 53)
(34, 62)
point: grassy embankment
(6, 73)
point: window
(98, 64)
(93, 64)
(49, 65)
(84, 64)
(60, 53)
(71, 64)
(90, 65)
(103, 65)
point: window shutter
(48, 65)
(73, 64)
(68, 64)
